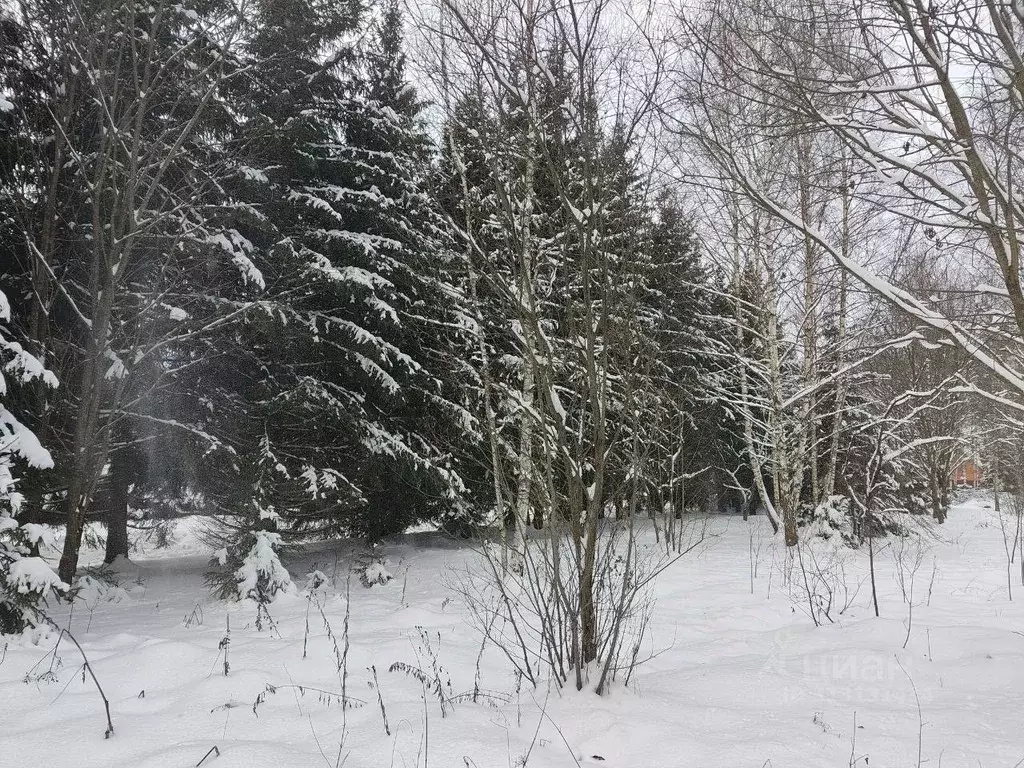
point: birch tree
(548, 214)
(927, 144)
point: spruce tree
(26, 579)
(351, 367)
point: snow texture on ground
(741, 676)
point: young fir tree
(250, 565)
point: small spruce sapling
(371, 570)
(250, 567)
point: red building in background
(968, 473)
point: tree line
(597, 264)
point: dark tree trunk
(117, 512)
(938, 511)
(124, 468)
(68, 565)
(789, 527)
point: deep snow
(740, 679)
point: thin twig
(213, 750)
(87, 666)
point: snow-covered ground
(743, 677)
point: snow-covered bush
(914, 496)
(316, 581)
(372, 571)
(262, 576)
(251, 569)
(97, 585)
(248, 563)
(836, 519)
(829, 519)
(26, 580)
(370, 567)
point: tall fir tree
(352, 369)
